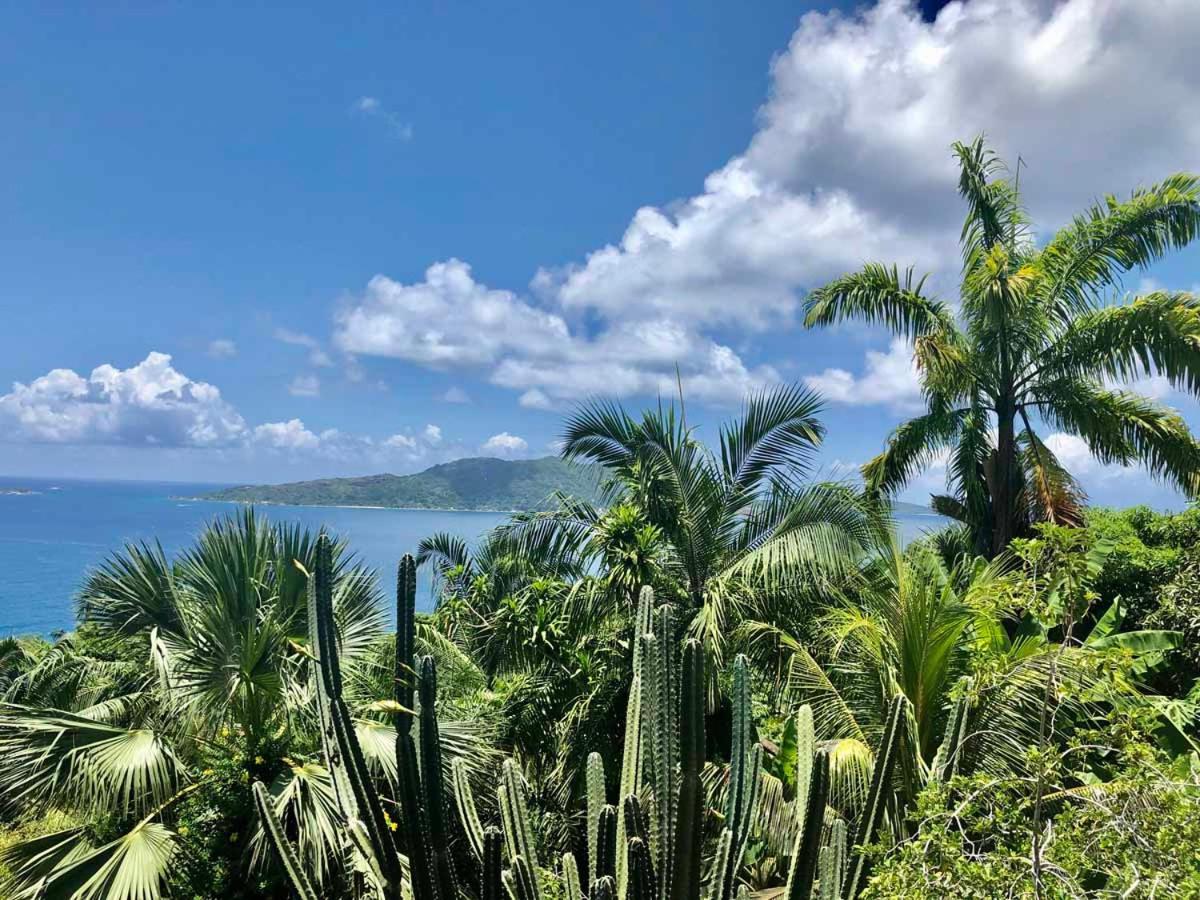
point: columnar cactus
(872, 815)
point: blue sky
(376, 239)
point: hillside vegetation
(478, 483)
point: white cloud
(432, 434)
(222, 348)
(504, 444)
(402, 441)
(851, 161)
(455, 395)
(535, 398)
(316, 355)
(890, 378)
(150, 403)
(451, 319)
(374, 107)
(289, 435)
(305, 386)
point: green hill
(478, 483)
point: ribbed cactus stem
(660, 667)
(872, 814)
(524, 879)
(354, 790)
(689, 834)
(720, 865)
(945, 762)
(405, 673)
(279, 842)
(607, 848)
(468, 813)
(595, 802)
(802, 870)
(441, 863)
(413, 822)
(570, 870)
(491, 885)
(633, 757)
(514, 811)
(806, 748)
(643, 884)
(745, 767)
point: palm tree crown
(1036, 341)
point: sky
(254, 245)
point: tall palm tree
(1036, 341)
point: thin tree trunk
(1003, 499)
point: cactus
(279, 841)
(806, 851)
(420, 791)
(570, 870)
(685, 881)
(633, 756)
(514, 812)
(833, 862)
(945, 762)
(595, 802)
(603, 889)
(464, 799)
(606, 845)
(643, 885)
(491, 880)
(745, 766)
(355, 794)
(872, 814)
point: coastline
(449, 509)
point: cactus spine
(274, 828)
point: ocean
(51, 537)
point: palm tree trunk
(1004, 489)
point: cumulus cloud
(535, 398)
(890, 378)
(316, 354)
(148, 404)
(851, 162)
(504, 444)
(432, 434)
(289, 435)
(222, 348)
(455, 395)
(305, 386)
(450, 319)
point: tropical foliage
(720, 676)
(1037, 341)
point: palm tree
(181, 666)
(733, 523)
(1036, 341)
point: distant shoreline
(345, 505)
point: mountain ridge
(477, 483)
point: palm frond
(879, 295)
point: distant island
(478, 483)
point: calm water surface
(51, 538)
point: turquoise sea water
(49, 539)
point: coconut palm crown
(1037, 341)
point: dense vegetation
(714, 676)
(481, 483)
